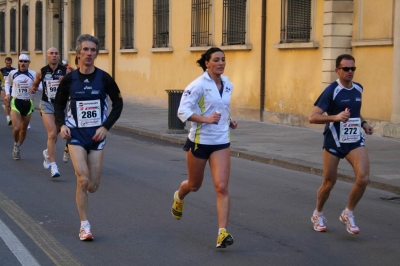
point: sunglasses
(23, 61)
(346, 69)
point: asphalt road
(132, 224)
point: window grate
(24, 29)
(127, 25)
(13, 30)
(75, 22)
(38, 26)
(2, 32)
(234, 22)
(160, 23)
(296, 21)
(100, 22)
(201, 21)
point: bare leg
(330, 176)
(195, 168)
(88, 170)
(220, 169)
(50, 124)
(359, 159)
(24, 128)
(16, 118)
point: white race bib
(88, 113)
(51, 88)
(350, 131)
(23, 91)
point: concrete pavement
(284, 146)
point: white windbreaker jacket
(202, 97)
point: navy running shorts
(345, 148)
(83, 137)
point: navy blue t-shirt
(335, 99)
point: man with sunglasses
(343, 138)
(50, 76)
(5, 71)
(20, 80)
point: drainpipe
(262, 67)
(60, 29)
(19, 29)
(113, 39)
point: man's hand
(101, 134)
(65, 132)
(368, 129)
(343, 116)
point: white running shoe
(66, 157)
(318, 222)
(347, 218)
(85, 235)
(54, 171)
(46, 162)
(29, 126)
(16, 153)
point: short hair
(8, 59)
(207, 56)
(343, 56)
(76, 60)
(86, 37)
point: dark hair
(8, 59)
(207, 56)
(344, 56)
(86, 37)
(76, 60)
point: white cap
(24, 57)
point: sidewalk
(284, 146)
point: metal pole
(262, 67)
(60, 29)
(19, 29)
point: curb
(279, 162)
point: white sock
(8, 117)
(318, 213)
(219, 230)
(85, 224)
(53, 163)
(348, 211)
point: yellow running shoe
(177, 207)
(224, 239)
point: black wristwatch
(363, 122)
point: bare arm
(317, 116)
(367, 128)
(35, 84)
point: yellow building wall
(376, 18)
(144, 76)
(293, 76)
(376, 80)
(373, 20)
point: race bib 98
(51, 88)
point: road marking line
(50, 246)
(20, 252)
